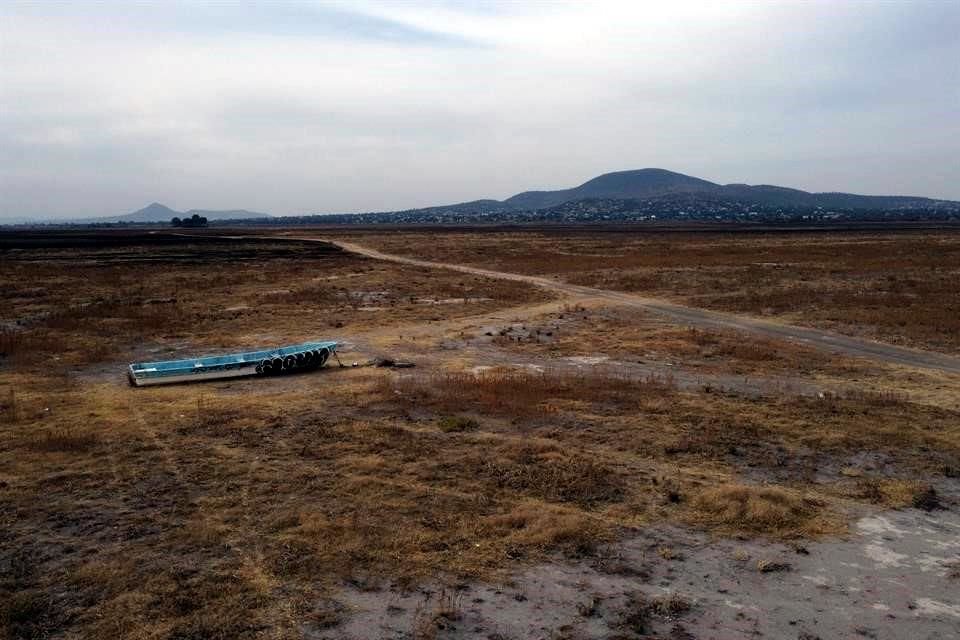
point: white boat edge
(191, 377)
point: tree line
(195, 220)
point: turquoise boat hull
(281, 360)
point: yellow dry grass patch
(530, 525)
(894, 493)
(766, 510)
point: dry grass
(89, 304)
(531, 527)
(440, 614)
(630, 336)
(898, 287)
(765, 565)
(553, 476)
(671, 605)
(450, 424)
(520, 394)
(639, 610)
(238, 509)
(9, 407)
(65, 440)
(766, 510)
(896, 493)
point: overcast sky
(363, 106)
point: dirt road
(826, 340)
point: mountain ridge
(637, 194)
(658, 194)
(636, 183)
(652, 182)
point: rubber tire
(277, 366)
(289, 363)
(324, 354)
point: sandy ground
(895, 577)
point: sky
(322, 107)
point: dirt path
(826, 340)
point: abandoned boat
(290, 359)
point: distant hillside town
(643, 195)
(648, 195)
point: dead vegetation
(437, 615)
(107, 303)
(639, 610)
(9, 407)
(766, 510)
(773, 566)
(625, 335)
(520, 394)
(896, 493)
(896, 287)
(238, 509)
(65, 440)
(450, 424)
(554, 476)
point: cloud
(310, 106)
(255, 17)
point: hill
(621, 196)
(658, 194)
(644, 184)
(156, 212)
(627, 185)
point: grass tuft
(65, 440)
(769, 511)
(896, 493)
(450, 424)
(535, 527)
(554, 476)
